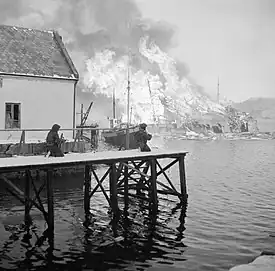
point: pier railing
(78, 139)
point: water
(230, 218)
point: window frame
(13, 121)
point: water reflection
(140, 239)
(139, 242)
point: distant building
(37, 82)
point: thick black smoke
(89, 25)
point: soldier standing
(142, 137)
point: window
(12, 116)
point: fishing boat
(121, 134)
(117, 136)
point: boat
(121, 134)
(117, 136)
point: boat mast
(128, 106)
(131, 114)
(114, 104)
(127, 143)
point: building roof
(35, 53)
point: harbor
(221, 219)
(115, 156)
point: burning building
(240, 122)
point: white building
(37, 83)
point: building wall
(43, 103)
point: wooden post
(91, 142)
(183, 189)
(22, 142)
(97, 138)
(50, 202)
(76, 138)
(27, 198)
(87, 188)
(113, 188)
(110, 181)
(153, 186)
(126, 188)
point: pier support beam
(183, 188)
(126, 189)
(50, 203)
(113, 189)
(87, 188)
(153, 185)
(27, 217)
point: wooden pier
(125, 170)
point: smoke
(88, 24)
(182, 68)
(10, 9)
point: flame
(182, 95)
(106, 72)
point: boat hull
(117, 138)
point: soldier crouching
(53, 142)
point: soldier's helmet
(143, 125)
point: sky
(230, 39)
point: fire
(180, 91)
(106, 72)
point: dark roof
(31, 52)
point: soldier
(53, 142)
(142, 137)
